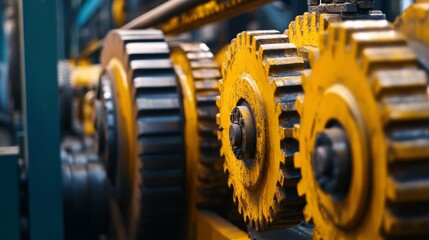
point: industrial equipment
(118, 121)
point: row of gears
(331, 115)
(325, 122)
(156, 131)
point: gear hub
(331, 161)
(242, 132)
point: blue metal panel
(87, 11)
(9, 200)
(41, 119)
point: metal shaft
(162, 13)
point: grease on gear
(261, 80)
(374, 100)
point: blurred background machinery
(214, 119)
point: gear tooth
(262, 32)
(402, 151)
(387, 38)
(299, 104)
(219, 105)
(281, 194)
(232, 46)
(343, 32)
(291, 31)
(313, 25)
(225, 168)
(257, 41)
(230, 185)
(307, 213)
(398, 55)
(278, 109)
(301, 188)
(277, 66)
(305, 27)
(287, 33)
(276, 49)
(284, 132)
(306, 76)
(281, 178)
(397, 81)
(314, 55)
(299, 23)
(297, 160)
(224, 69)
(394, 224)
(296, 131)
(414, 190)
(405, 112)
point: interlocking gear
(261, 80)
(364, 135)
(198, 76)
(149, 187)
(305, 31)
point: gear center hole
(332, 160)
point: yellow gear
(365, 79)
(305, 30)
(413, 22)
(198, 76)
(261, 80)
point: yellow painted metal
(198, 75)
(186, 79)
(85, 76)
(124, 98)
(259, 68)
(366, 78)
(305, 31)
(118, 12)
(414, 22)
(89, 113)
(220, 56)
(213, 227)
(211, 11)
